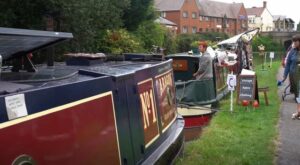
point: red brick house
(201, 16)
(230, 18)
(185, 13)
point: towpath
(289, 130)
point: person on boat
(205, 63)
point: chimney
(265, 4)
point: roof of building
(257, 11)
(281, 18)
(164, 21)
(168, 5)
(219, 9)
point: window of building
(200, 29)
(185, 14)
(201, 18)
(206, 19)
(194, 15)
(184, 29)
(163, 14)
(194, 29)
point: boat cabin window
(184, 68)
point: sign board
(246, 87)
(272, 55)
(149, 112)
(231, 82)
(15, 106)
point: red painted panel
(82, 133)
(149, 112)
(164, 84)
(197, 121)
(180, 65)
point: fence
(259, 59)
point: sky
(289, 8)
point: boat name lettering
(165, 81)
(147, 101)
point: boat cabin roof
(17, 42)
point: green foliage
(169, 42)
(186, 42)
(23, 14)
(213, 36)
(268, 42)
(87, 20)
(150, 33)
(138, 12)
(120, 41)
(298, 27)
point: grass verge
(243, 137)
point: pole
(265, 59)
(271, 62)
(231, 98)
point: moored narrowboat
(197, 98)
(90, 111)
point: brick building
(185, 13)
(201, 16)
(230, 18)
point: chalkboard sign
(246, 87)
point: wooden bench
(265, 90)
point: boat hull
(195, 120)
(101, 118)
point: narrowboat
(86, 111)
(197, 99)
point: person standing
(205, 63)
(291, 66)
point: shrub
(186, 42)
(268, 42)
(120, 41)
(169, 42)
(150, 33)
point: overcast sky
(289, 8)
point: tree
(85, 19)
(138, 12)
(88, 20)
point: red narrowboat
(86, 111)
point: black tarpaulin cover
(15, 42)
